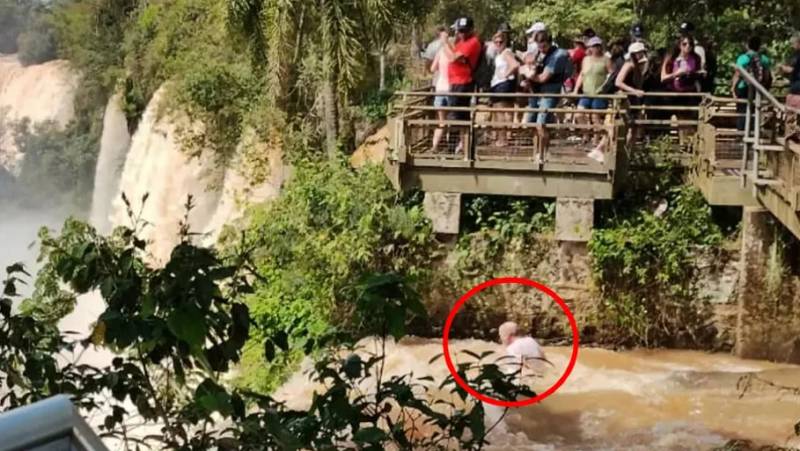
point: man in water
(525, 351)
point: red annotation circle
(511, 280)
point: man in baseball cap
(463, 55)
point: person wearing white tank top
(503, 82)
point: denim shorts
(592, 104)
(441, 101)
(541, 117)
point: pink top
(685, 83)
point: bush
(646, 267)
(331, 225)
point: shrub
(330, 225)
(647, 271)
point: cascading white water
(114, 144)
(43, 92)
(156, 168)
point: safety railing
(502, 127)
(670, 116)
(768, 159)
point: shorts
(441, 101)
(588, 103)
(505, 87)
(460, 101)
(541, 117)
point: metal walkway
(492, 149)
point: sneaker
(596, 155)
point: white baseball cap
(593, 41)
(636, 47)
(536, 27)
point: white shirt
(701, 52)
(527, 351)
(501, 68)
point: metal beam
(508, 183)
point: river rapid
(631, 400)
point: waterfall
(114, 144)
(157, 179)
(40, 93)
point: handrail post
(745, 144)
(756, 141)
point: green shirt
(743, 61)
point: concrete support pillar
(754, 319)
(444, 211)
(574, 224)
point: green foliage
(496, 226)
(646, 267)
(609, 18)
(331, 225)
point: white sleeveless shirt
(501, 67)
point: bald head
(507, 332)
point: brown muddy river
(637, 400)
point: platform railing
(498, 127)
(769, 159)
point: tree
(318, 47)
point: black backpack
(483, 72)
(758, 71)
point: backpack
(757, 69)
(483, 72)
(610, 85)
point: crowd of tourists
(590, 69)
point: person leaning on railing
(759, 66)
(557, 68)
(594, 70)
(503, 82)
(630, 81)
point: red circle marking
(511, 280)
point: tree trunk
(330, 116)
(414, 47)
(382, 64)
(328, 89)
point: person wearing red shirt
(464, 55)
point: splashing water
(640, 400)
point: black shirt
(794, 78)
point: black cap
(637, 30)
(687, 27)
(463, 24)
(504, 27)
